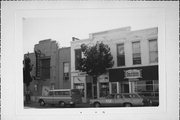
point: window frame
(64, 76)
(133, 62)
(149, 40)
(119, 56)
(77, 61)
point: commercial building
(51, 68)
(135, 56)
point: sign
(45, 90)
(103, 78)
(132, 74)
(78, 79)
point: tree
(27, 71)
(96, 60)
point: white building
(135, 55)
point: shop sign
(103, 78)
(133, 73)
(79, 79)
(45, 90)
(82, 73)
(133, 80)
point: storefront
(103, 86)
(142, 80)
(84, 84)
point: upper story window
(136, 50)
(78, 56)
(120, 55)
(45, 68)
(66, 70)
(153, 51)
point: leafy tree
(26, 71)
(96, 60)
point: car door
(50, 98)
(109, 101)
(119, 100)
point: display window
(104, 89)
(147, 88)
(80, 86)
(114, 87)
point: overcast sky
(79, 23)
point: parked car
(62, 97)
(153, 97)
(123, 99)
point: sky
(80, 23)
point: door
(126, 88)
(119, 100)
(50, 98)
(109, 101)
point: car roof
(60, 90)
(124, 94)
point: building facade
(51, 68)
(135, 55)
(64, 80)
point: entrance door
(95, 91)
(89, 90)
(126, 88)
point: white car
(62, 97)
(123, 99)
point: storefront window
(147, 88)
(124, 87)
(114, 88)
(80, 86)
(104, 89)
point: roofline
(132, 66)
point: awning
(141, 73)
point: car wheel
(42, 103)
(62, 104)
(96, 104)
(127, 105)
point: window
(51, 93)
(136, 53)
(62, 93)
(120, 55)
(147, 88)
(114, 88)
(78, 56)
(45, 68)
(119, 96)
(104, 89)
(66, 70)
(153, 51)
